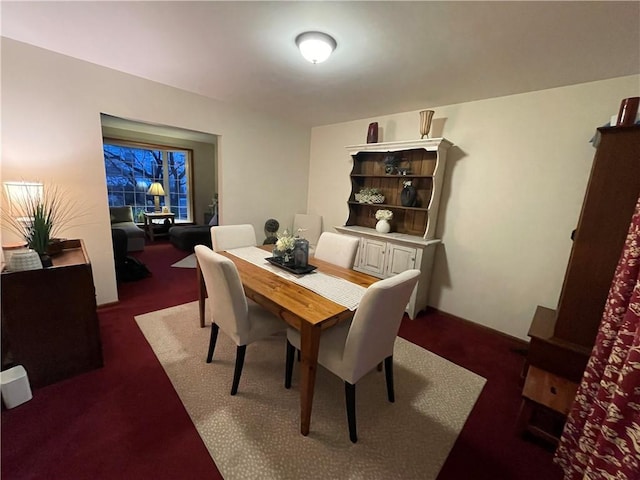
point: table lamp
(156, 190)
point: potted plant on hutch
(37, 214)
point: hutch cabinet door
(372, 257)
(399, 259)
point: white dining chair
(338, 249)
(225, 237)
(309, 227)
(352, 349)
(238, 317)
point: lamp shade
(21, 196)
(315, 46)
(156, 189)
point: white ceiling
(391, 56)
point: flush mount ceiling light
(315, 46)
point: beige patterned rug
(187, 262)
(255, 435)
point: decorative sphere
(271, 225)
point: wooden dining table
(302, 309)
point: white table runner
(336, 289)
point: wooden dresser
(562, 338)
(49, 318)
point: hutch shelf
(412, 242)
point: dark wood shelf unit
(386, 205)
(552, 353)
(409, 222)
(562, 338)
(419, 161)
(611, 195)
(49, 318)
(369, 172)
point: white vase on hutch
(383, 226)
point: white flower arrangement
(384, 215)
(369, 195)
(406, 183)
(285, 241)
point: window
(132, 167)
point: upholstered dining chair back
(375, 325)
(228, 304)
(242, 320)
(225, 237)
(350, 350)
(338, 249)
(310, 226)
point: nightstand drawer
(549, 390)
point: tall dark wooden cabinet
(49, 318)
(562, 338)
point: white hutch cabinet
(411, 243)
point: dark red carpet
(125, 421)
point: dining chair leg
(350, 397)
(289, 365)
(212, 341)
(240, 351)
(388, 370)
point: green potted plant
(37, 214)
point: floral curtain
(601, 439)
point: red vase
(628, 111)
(372, 133)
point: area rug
(187, 262)
(255, 434)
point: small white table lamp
(156, 190)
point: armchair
(122, 219)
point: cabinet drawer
(549, 390)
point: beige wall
(51, 131)
(513, 192)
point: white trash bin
(14, 386)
